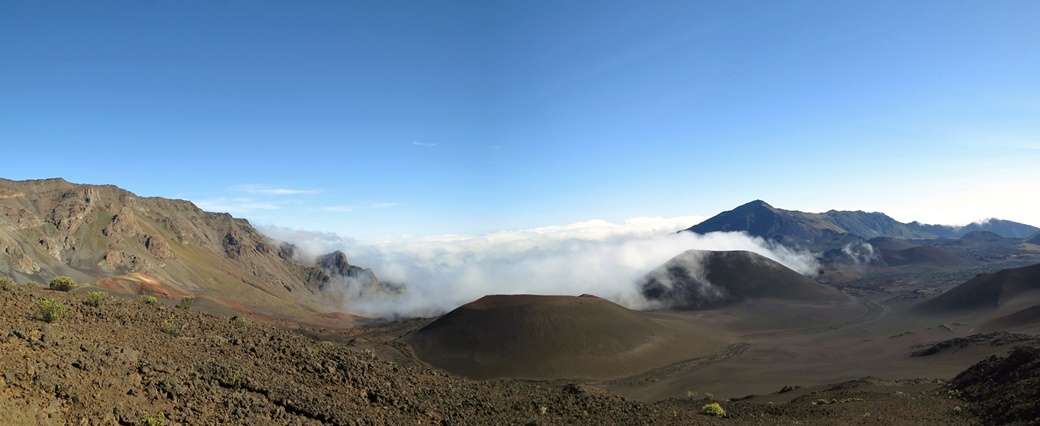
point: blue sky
(377, 118)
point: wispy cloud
(261, 189)
(234, 205)
(425, 144)
(350, 208)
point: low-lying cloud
(440, 273)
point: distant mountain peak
(756, 204)
(795, 228)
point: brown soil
(126, 360)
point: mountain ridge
(797, 228)
(51, 227)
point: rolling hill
(986, 291)
(107, 235)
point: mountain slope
(1035, 239)
(89, 232)
(1003, 228)
(697, 279)
(986, 291)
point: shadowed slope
(550, 336)
(699, 279)
(986, 291)
(1035, 239)
(1028, 317)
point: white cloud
(442, 272)
(260, 189)
(424, 144)
(234, 205)
(349, 208)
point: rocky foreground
(129, 362)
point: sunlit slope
(91, 232)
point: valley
(246, 330)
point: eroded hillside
(167, 247)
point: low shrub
(186, 301)
(95, 298)
(6, 284)
(713, 409)
(241, 324)
(156, 420)
(63, 284)
(50, 310)
(170, 326)
(149, 300)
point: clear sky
(377, 118)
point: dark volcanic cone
(699, 279)
(548, 337)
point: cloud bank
(440, 273)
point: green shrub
(6, 284)
(713, 409)
(156, 420)
(186, 301)
(32, 284)
(170, 326)
(241, 324)
(95, 298)
(149, 300)
(50, 310)
(63, 284)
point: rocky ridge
(52, 227)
